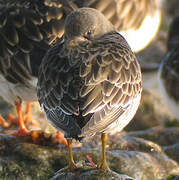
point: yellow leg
(72, 165)
(103, 165)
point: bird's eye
(88, 34)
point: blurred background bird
(169, 70)
(90, 82)
(137, 20)
(27, 30)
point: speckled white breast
(10, 91)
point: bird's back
(27, 29)
(85, 89)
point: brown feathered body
(90, 87)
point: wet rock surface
(161, 135)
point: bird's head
(86, 24)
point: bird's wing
(132, 12)
(113, 81)
(58, 89)
(123, 14)
(101, 87)
(26, 31)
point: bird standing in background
(137, 20)
(168, 74)
(90, 82)
(27, 29)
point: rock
(90, 174)
(149, 113)
(131, 156)
(143, 166)
(160, 135)
(166, 137)
(173, 177)
(172, 151)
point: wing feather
(114, 92)
(26, 29)
(92, 99)
(123, 14)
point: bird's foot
(12, 119)
(21, 132)
(58, 138)
(35, 135)
(4, 123)
(73, 167)
(103, 166)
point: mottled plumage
(27, 29)
(90, 82)
(132, 18)
(169, 70)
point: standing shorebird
(169, 70)
(137, 20)
(27, 29)
(90, 82)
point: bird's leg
(103, 165)
(22, 131)
(4, 123)
(12, 119)
(72, 165)
(28, 117)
